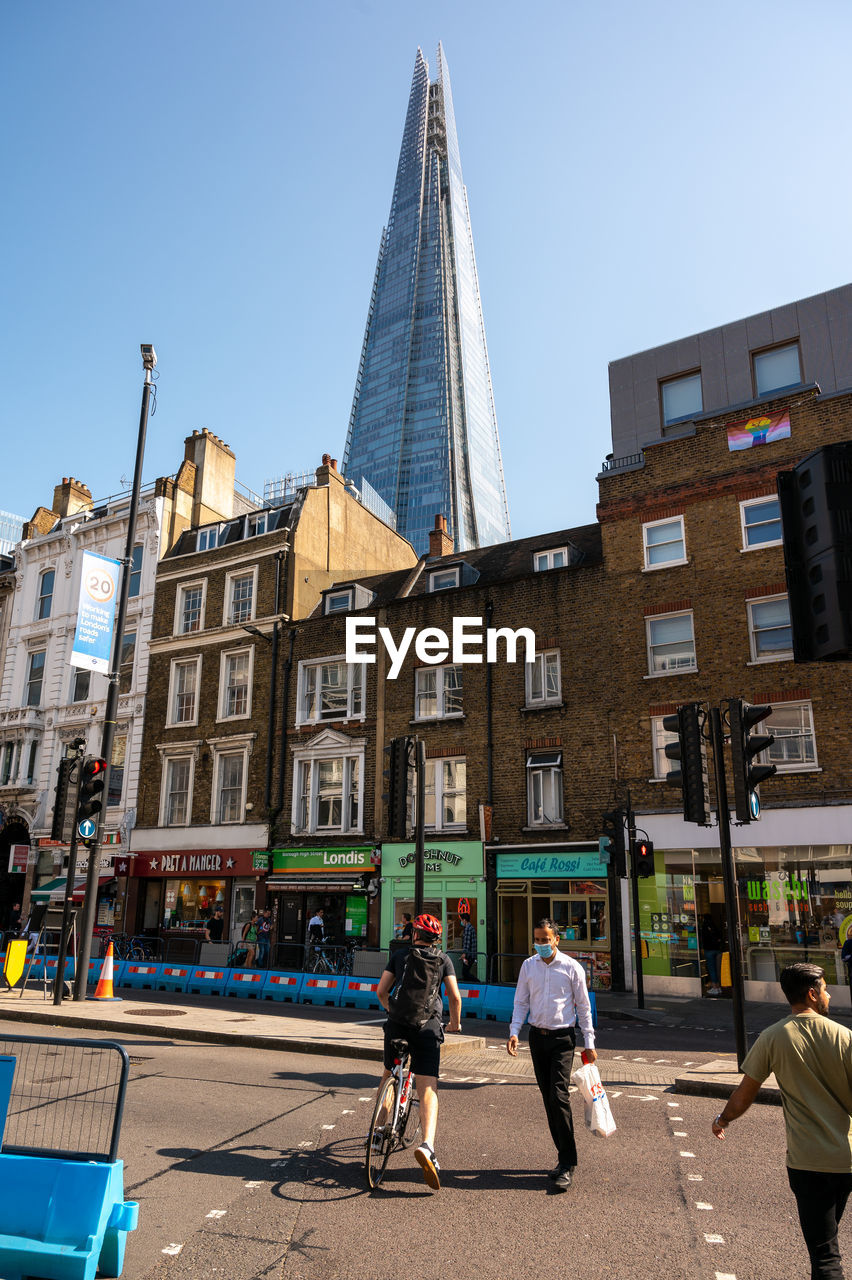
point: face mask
(544, 949)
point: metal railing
(67, 1097)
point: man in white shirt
(552, 990)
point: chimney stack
(71, 496)
(440, 542)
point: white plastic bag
(598, 1113)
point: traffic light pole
(59, 981)
(110, 715)
(420, 824)
(730, 881)
(634, 889)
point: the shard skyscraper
(423, 429)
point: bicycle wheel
(135, 953)
(378, 1151)
(410, 1131)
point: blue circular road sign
(86, 829)
(754, 805)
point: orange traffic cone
(103, 991)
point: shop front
(567, 883)
(179, 891)
(341, 881)
(453, 872)
(794, 903)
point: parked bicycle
(395, 1125)
(320, 959)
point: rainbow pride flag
(762, 430)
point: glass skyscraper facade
(423, 429)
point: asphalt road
(248, 1164)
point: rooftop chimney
(440, 542)
(71, 496)
(327, 470)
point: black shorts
(425, 1046)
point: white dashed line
(329, 1126)
(725, 1275)
(640, 1059)
(678, 1133)
(251, 1185)
(714, 1239)
(172, 1250)
(700, 1204)
(694, 1177)
(305, 1146)
(217, 1213)
(349, 1112)
(617, 1094)
(662, 1060)
(688, 1155)
(673, 1104)
(279, 1164)
(619, 1057)
(370, 1099)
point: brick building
(694, 564)
(220, 654)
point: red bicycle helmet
(428, 924)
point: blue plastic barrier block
(499, 1002)
(61, 1219)
(282, 986)
(246, 983)
(473, 1000)
(173, 977)
(360, 993)
(207, 980)
(142, 974)
(321, 989)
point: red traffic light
(92, 767)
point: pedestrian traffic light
(396, 796)
(611, 843)
(643, 858)
(92, 779)
(63, 804)
(745, 745)
(690, 751)
(815, 498)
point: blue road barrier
(360, 993)
(246, 983)
(207, 980)
(282, 986)
(173, 977)
(142, 974)
(321, 989)
(473, 1000)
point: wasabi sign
(95, 613)
(297, 861)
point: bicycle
(395, 1123)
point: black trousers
(821, 1199)
(552, 1057)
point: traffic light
(690, 751)
(745, 745)
(63, 820)
(90, 796)
(643, 858)
(815, 498)
(396, 796)
(611, 843)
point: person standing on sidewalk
(468, 948)
(811, 1058)
(552, 990)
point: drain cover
(159, 1013)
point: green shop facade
(453, 872)
(342, 880)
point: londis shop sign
(775, 890)
(357, 858)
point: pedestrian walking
(811, 1058)
(249, 937)
(468, 959)
(264, 937)
(712, 946)
(215, 926)
(552, 991)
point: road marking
(688, 1155)
(700, 1204)
(279, 1164)
(640, 1059)
(673, 1104)
(617, 1094)
(619, 1057)
(644, 1097)
(689, 1064)
(217, 1213)
(484, 1080)
(680, 1133)
(370, 1099)
(327, 1126)
(348, 1112)
(725, 1275)
(677, 1119)
(304, 1146)
(662, 1060)
(172, 1250)
(714, 1239)
(694, 1177)
(251, 1185)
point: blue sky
(214, 178)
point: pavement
(358, 1033)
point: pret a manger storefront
(181, 889)
(340, 880)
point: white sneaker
(425, 1157)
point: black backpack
(417, 998)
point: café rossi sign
(361, 857)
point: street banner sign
(95, 612)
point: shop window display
(190, 903)
(580, 911)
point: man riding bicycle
(425, 1036)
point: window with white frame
(777, 369)
(256, 524)
(177, 791)
(190, 608)
(338, 601)
(116, 769)
(556, 558)
(671, 643)
(240, 598)
(664, 543)
(81, 683)
(438, 692)
(183, 695)
(230, 770)
(31, 763)
(207, 538)
(794, 748)
(8, 762)
(126, 660)
(544, 788)
(761, 522)
(660, 739)
(135, 584)
(45, 593)
(35, 677)
(235, 685)
(328, 793)
(543, 679)
(769, 629)
(681, 398)
(443, 579)
(446, 794)
(330, 690)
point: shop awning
(319, 884)
(80, 887)
(54, 890)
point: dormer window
(338, 601)
(557, 558)
(208, 538)
(444, 579)
(256, 524)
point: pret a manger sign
(432, 645)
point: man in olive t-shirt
(811, 1058)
